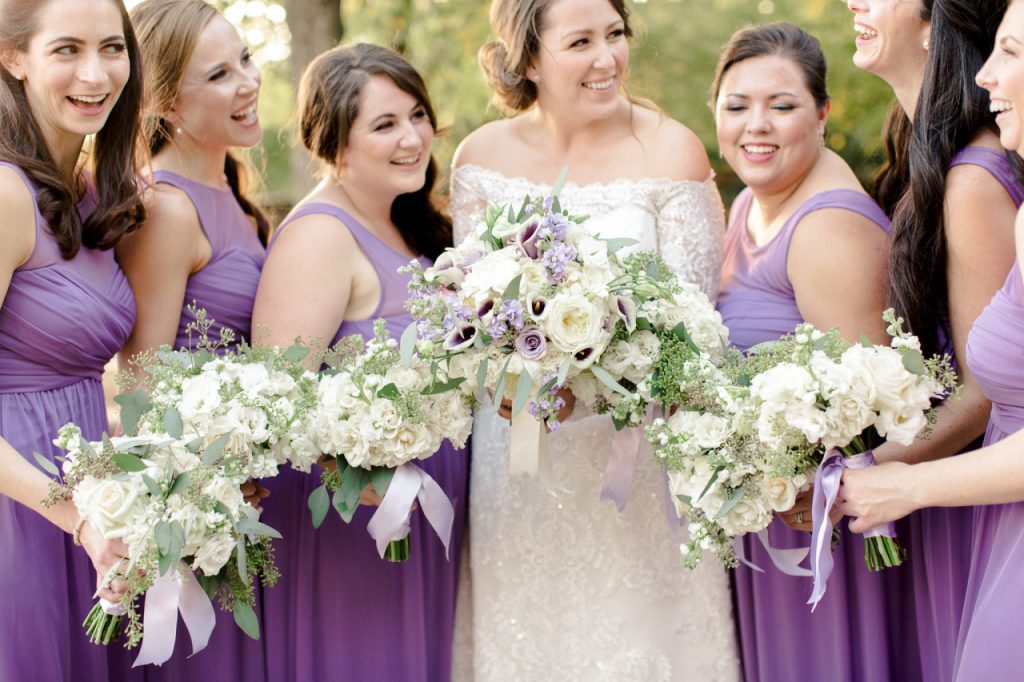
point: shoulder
(674, 151)
(835, 232)
(171, 210)
(316, 233)
(18, 227)
(973, 187)
(479, 147)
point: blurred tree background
(672, 63)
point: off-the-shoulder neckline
(590, 185)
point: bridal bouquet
(376, 413)
(190, 534)
(251, 403)
(814, 394)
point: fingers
(368, 496)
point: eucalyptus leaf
(47, 465)
(162, 533)
(512, 290)
(319, 503)
(346, 508)
(407, 345)
(152, 486)
(180, 483)
(865, 341)
(913, 362)
(731, 503)
(245, 619)
(563, 371)
(243, 560)
(389, 392)
(711, 482)
(499, 389)
(173, 425)
(250, 527)
(133, 406)
(481, 381)
(129, 463)
(443, 387)
(215, 449)
(608, 380)
(381, 479)
(523, 386)
(619, 243)
(296, 353)
(560, 182)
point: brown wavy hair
(328, 106)
(168, 31)
(112, 159)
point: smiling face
(74, 69)
(769, 126)
(890, 38)
(1003, 77)
(389, 143)
(219, 94)
(583, 57)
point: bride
(561, 585)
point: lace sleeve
(691, 231)
(468, 204)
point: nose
(757, 120)
(410, 135)
(604, 58)
(985, 79)
(251, 80)
(90, 69)
(856, 5)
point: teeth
(245, 113)
(759, 148)
(999, 105)
(407, 161)
(865, 32)
(88, 99)
(600, 85)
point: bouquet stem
(882, 552)
(101, 627)
(398, 550)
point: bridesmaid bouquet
(814, 396)
(376, 413)
(191, 536)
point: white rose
(490, 276)
(746, 517)
(200, 394)
(888, 376)
(573, 323)
(779, 492)
(111, 505)
(214, 554)
(710, 431)
(224, 491)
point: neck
(371, 207)
(189, 159)
(908, 90)
(565, 133)
(775, 204)
(66, 149)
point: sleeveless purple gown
(988, 646)
(226, 288)
(340, 612)
(937, 538)
(850, 636)
(60, 323)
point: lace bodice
(682, 220)
(563, 586)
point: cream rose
(213, 554)
(110, 505)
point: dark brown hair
(114, 153)
(951, 111)
(779, 39)
(168, 31)
(518, 25)
(328, 106)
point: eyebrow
(222, 65)
(79, 41)
(738, 95)
(388, 114)
(1006, 39)
(587, 31)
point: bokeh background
(672, 63)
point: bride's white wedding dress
(564, 587)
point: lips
(407, 160)
(864, 32)
(999, 106)
(600, 85)
(88, 103)
(246, 115)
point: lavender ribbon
(177, 590)
(786, 560)
(391, 520)
(618, 477)
(826, 488)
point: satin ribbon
(391, 520)
(618, 476)
(112, 609)
(175, 591)
(528, 450)
(786, 560)
(826, 487)
(671, 515)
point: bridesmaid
(340, 612)
(952, 197)
(987, 647)
(70, 70)
(203, 240)
(804, 243)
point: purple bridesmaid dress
(226, 288)
(60, 323)
(937, 538)
(988, 647)
(340, 612)
(851, 635)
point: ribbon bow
(175, 591)
(391, 520)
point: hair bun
(512, 91)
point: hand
(105, 555)
(328, 463)
(368, 496)
(505, 409)
(876, 495)
(800, 516)
(254, 493)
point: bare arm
(837, 265)
(979, 219)
(158, 260)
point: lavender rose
(531, 343)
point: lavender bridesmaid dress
(226, 288)
(938, 538)
(850, 636)
(989, 646)
(60, 323)
(340, 612)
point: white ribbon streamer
(391, 520)
(528, 450)
(175, 591)
(786, 560)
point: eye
(783, 107)
(66, 50)
(579, 43)
(1007, 51)
(384, 125)
(419, 114)
(217, 75)
(617, 33)
(116, 48)
(246, 57)
(735, 107)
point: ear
(10, 58)
(823, 115)
(532, 75)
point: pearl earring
(179, 130)
(925, 45)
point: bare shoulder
(170, 212)
(673, 150)
(18, 225)
(971, 188)
(835, 233)
(480, 146)
(316, 234)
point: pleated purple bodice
(226, 286)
